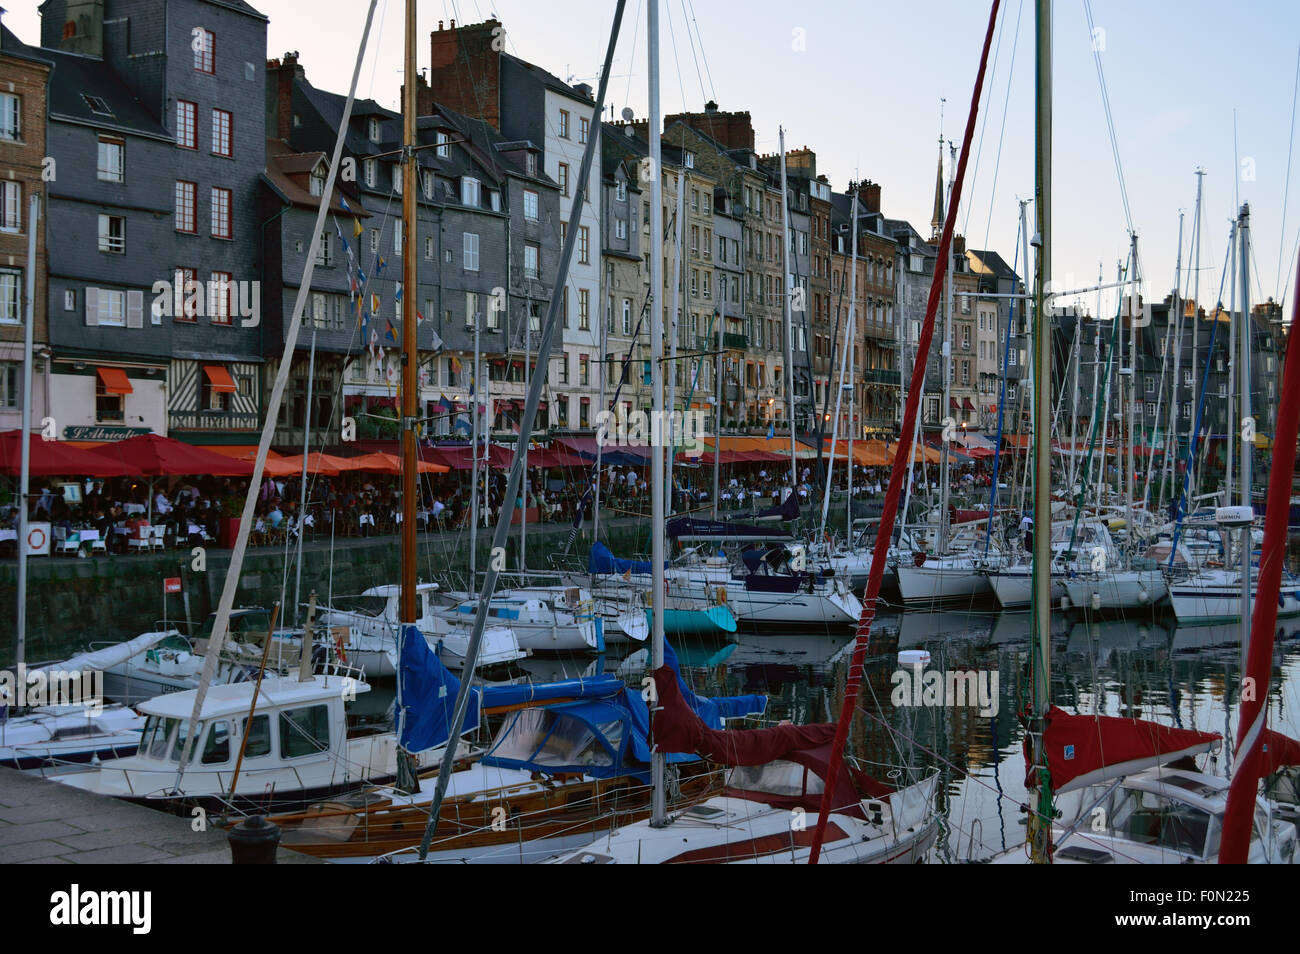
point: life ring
(36, 539)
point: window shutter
(92, 307)
(135, 309)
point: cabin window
(182, 733)
(153, 741)
(304, 731)
(1151, 819)
(259, 737)
(548, 738)
(216, 750)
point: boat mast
(666, 429)
(410, 354)
(717, 405)
(1193, 473)
(25, 468)
(1039, 829)
(302, 507)
(1134, 305)
(851, 345)
(1247, 425)
(839, 388)
(474, 514)
(789, 327)
(945, 362)
(1166, 466)
(658, 762)
(1229, 431)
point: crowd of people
(191, 510)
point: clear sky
(861, 83)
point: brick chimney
(465, 71)
(733, 130)
(280, 77)
(869, 194)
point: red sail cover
(1084, 750)
(678, 729)
(1281, 750)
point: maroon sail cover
(678, 729)
(1084, 750)
(1282, 750)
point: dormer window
(426, 178)
(469, 192)
(374, 130)
(318, 181)
(620, 191)
(494, 200)
(690, 160)
(532, 164)
(443, 150)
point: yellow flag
(356, 228)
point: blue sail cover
(426, 694)
(602, 560)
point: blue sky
(860, 83)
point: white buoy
(1143, 596)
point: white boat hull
(1123, 590)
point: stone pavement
(42, 822)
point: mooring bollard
(253, 842)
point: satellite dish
(628, 115)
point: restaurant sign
(97, 433)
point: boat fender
(1065, 602)
(721, 594)
(1143, 596)
(1096, 600)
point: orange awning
(237, 451)
(114, 381)
(219, 378)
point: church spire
(936, 223)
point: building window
(426, 181)
(397, 178)
(10, 117)
(187, 135)
(620, 228)
(471, 308)
(11, 206)
(317, 184)
(428, 248)
(111, 152)
(108, 407)
(584, 245)
(221, 212)
(584, 125)
(584, 369)
(205, 48)
(397, 236)
(368, 172)
(374, 241)
(562, 177)
(584, 310)
(627, 316)
(690, 160)
(530, 205)
(494, 200)
(323, 256)
(9, 376)
(110, 308)
(443, 139)
(221, 287)
(11, 280)
(69, 300)
(532, 264)
(620, 191)
(471, 251)
(112, 233)
(186, 290)
(564, 124)
(469, 192)
(221, 144)
(373, 129)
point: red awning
(149, 455)
(219, 378)
(967, 405)
(114, 381)
(50, 458)
(953, 405)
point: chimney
(869, 193)
(465, 71)
(281, 75)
